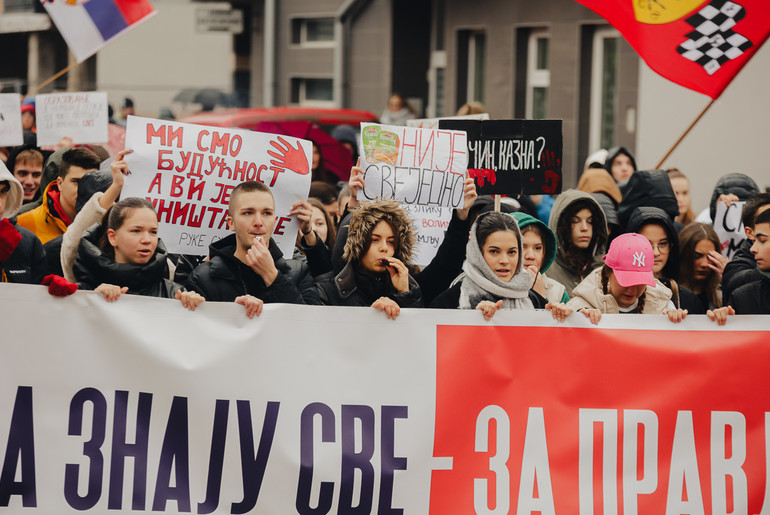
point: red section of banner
(699, 45)
(134, 10)
(543, 419)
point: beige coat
(588, 294)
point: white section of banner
(11, 133)
(188, 172)
(81, 117)
(372, 381)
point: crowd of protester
(624, 241)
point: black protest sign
(510, 157)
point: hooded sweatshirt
(27, 262)
(561, 269)
(612, 154)
(50, 173)
(554, 290)
(682, 297)
(11, 163)
(648, 188)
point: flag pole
(51, 79)
(686, 132)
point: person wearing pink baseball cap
(625, 284)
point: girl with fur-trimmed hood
(378, 252)
(495, 277)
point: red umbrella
(335, 156)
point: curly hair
(370, 214)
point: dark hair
(688, 239)
(492, 222)
(5, 187)
(753, 203)
(323, 191)
(763, 217)
(246, 187)
(578, 260)
(116, 216)
(605, 274)
(331, 231)
(82, 157)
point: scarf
(481, 283)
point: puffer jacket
(224, 277)
(350, 286)
(739, 184)
(92, 268)
(560, 270)
(589, 294)
(46, 220)
(740, 270)
(647, 188)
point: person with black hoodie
(123, 254)
(754, 298)
(655, 224)
(247, 267)
(620, 164)
(25, 162)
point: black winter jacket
(92, 268)
(224, 277)
(741, 269)
(752, 298)
(352, 287)
(27, 264)
(647, 188)
(445, 266)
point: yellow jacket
(41, 221)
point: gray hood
(567, 198)
(15, 195)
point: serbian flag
(698, 44)
(88, 25)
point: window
(471, 66)
(312, 91)
(604, 88)
(312, 31)
(538, 74)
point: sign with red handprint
(189, 171)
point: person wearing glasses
(656, 225)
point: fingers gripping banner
(140, 405)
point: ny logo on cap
(638, 259)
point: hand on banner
(720, 315)
(389, 306)
(399, 274)
(253, 305)
(489, 308)
(288, 158)
(119, 169)
(538, 284)
(717, 262)
(593, 314)
(470, 197)
(559, 310)
(9, 239)
(676, 315)
(190, 299)
(304, 213)
(355, 183)
(260, 260)
(58, 286)
(111, 292)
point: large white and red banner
(140, 405)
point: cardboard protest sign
(729, 227)
(80, 117)
(188, 172)
(414, 166)
(11, 133)
(432, 123)
(512, 157)
(430, 223)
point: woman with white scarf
(493, 276)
